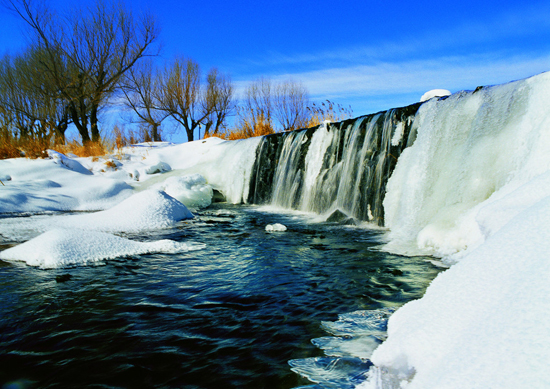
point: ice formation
(474, 189)
(276, 227)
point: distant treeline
(75, 67)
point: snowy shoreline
(473, 190)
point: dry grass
(328, 111)
(30, 148)
(124, 136)
(246, 129)
(87, 150)
(36, 148)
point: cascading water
(337, 166)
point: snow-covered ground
(140, 188)
(473, 190)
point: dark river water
(231, 315)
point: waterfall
(339, 167)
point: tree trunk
(81, 127)
(154, 132)
(93, 123)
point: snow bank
(474, 189)
(227, 167)
(62, 247)
(59, 184)
(147, 210)
(481, 324)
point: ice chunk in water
(277, 227)
(361, 347)
(356, 336)
(341, 373)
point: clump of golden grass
(90, 149)
(29, 147)
(246, 128)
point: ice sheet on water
(355, 336)
(361, 346)
(360, 323)
(329, 372)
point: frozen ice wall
(337, 166)
(471, 150)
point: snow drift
(63, 247)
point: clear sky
(372, 55)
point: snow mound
(192, 190)
(277, 227)
(147, 210)
(68, 163)
(160, 167)
(62, 247)
(434, 93)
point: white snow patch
(160, 167)
(68, 163)
(147, 210)
(434, 93)
(63, 247)
(483, 323)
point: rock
(337, 217)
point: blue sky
(372, 55)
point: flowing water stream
(240, 313)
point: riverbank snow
(64, 247)
(138, 189)
(474, 190)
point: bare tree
(27, 94)
(141, 89)
(290, 105)
(218, 101)
(257, 109)
(87, 54)
(183, 97)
